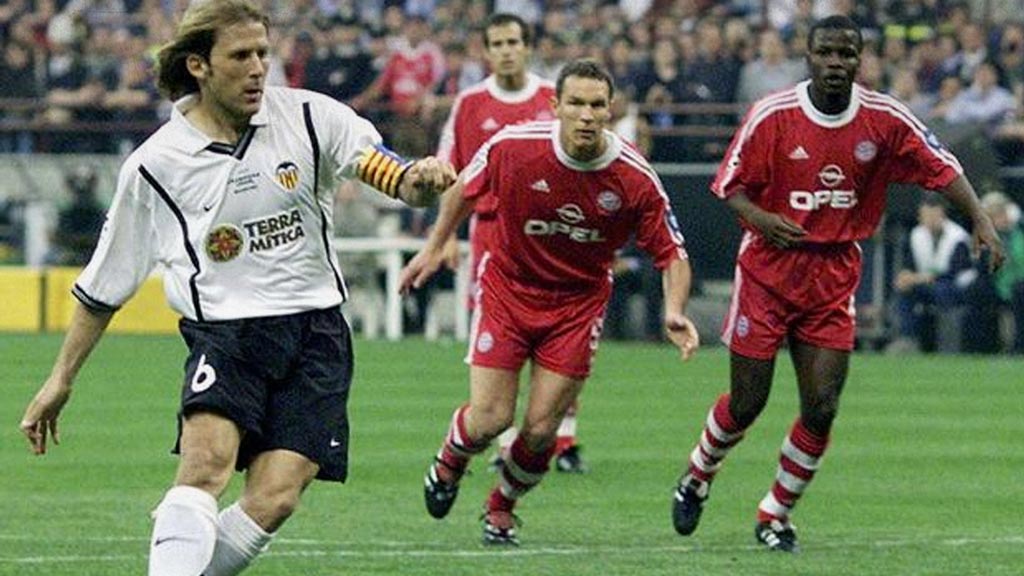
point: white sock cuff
(191, 497)
(242, 530)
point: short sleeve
(126, 250)
(920, 158)
(747, 162)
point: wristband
(382, 169)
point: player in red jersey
(510, 95)
(807, 174)
(566, 196)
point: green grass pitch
(924, 475)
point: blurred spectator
(629, 123)
(413, 70)
(771, 71)
(12, 231)
(936, 270)
(17, 80)
(912, 21)
(634, 275)
(871, 73)
(949, 90)
(78, 223)
(340, 66)
(1004, 289)
(1011, 58)
(971, 54)
(549, 57)
(665, 84)
(79, 71)
(712, 77)
(793, 18)
(531, 11)
(904, 87)
(739, 40)
(985, 102)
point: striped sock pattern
(523, 469)
(720, 434)
(566, 437)
(799, 459)
(457, 450)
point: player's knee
(206, 469)
(744, 409)
(539, 436)
(820, 413)
(270, 507)
(489, 420)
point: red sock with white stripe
(566, 437)
(799, 458)
(457, 450)
(523, 470)
(720, 434)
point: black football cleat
(570, 461)
(688, 504)
(439, 496)
(777, 536)
(500, 528)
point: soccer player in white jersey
(567, 195)
(807, 173)
(232, 197)
(510, 95)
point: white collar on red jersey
(533, 82)
(827, 120)
(611, 151)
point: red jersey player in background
(510, 95)
(807, 174)
(566, 195)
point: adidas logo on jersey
(490, 125)
(799, 153)
(540, 186)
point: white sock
(184, 532)
(506, 438)
(239, 540)
(567, 429)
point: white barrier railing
(392, 251)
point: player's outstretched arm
(40, 418)
(454, 209)
(676, 280)
(961, 194)
(415, 182)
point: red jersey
(830, 173)
(559, 221)
(410, 73)
(484, 108)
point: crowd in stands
(76, 75)
(71, 67)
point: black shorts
(283, 379)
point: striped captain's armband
(382, 169)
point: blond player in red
(807, 174)
(566, 196)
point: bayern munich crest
(865, 151)
(742, 326)
(287, 174)
(485, 342)
(224, 243)
(609, 201)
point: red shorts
(480, 230)
(557, 330)
(804, 293)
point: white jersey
(241, 231)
